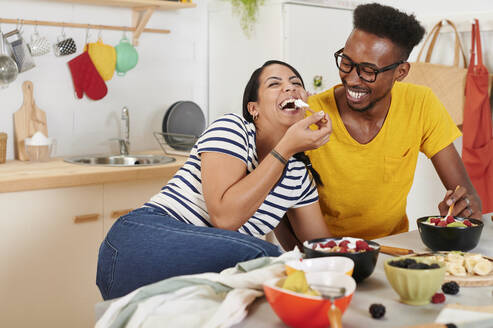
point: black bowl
(450, 238)
(364, 262)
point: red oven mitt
(86, 78)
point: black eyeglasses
(366, 72)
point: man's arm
(452, 172)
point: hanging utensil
(8, 67)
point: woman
(235, 187)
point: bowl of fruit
(415, 279)
(363, 252)
(448, 233)
(310, 300)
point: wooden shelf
(158, 4)
(142, 10)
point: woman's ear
(252, 108)
(402, 71)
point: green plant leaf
(247, 10)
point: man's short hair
(387, 22)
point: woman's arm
(232, 196)
(308, 222)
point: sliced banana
(455, 257)
(474, 256)
(483, 267)
(457, 270)
(469, 263)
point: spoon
(331, 293)
(451, 207)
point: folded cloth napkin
(466, 316)
(201, 300)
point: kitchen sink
(120, 160)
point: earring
(255, 116)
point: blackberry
(450, 287)
(377, 310)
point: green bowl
(414, 286)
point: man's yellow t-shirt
(366, 185)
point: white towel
(211, 300)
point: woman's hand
(299, 137)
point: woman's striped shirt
(182, 197)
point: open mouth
(356, 95)
(289, 105)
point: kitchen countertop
(22, 176)
(376, 289)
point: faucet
(125, 132)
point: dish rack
(175, 143)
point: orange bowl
(305, 311)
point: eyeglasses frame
(338, 54)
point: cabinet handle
(116, 214)
(86, 218)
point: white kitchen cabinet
(121, 197)
(48, 250)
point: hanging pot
(8, 67)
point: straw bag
(447, 82)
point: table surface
(376, 289)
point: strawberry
(331, 243)
(450, 219)
(344, 243)
(442, 223)
(343, 250)
(361, 245)
(467, 223)
(435, 220)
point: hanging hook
(63, 30)
(18, 25)
(100, 33)
(87, 33)
(36, 27)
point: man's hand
(465, 206)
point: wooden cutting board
(28, 120)
(469, 280)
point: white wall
(171, 67)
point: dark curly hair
(387, 22)
(251, 94)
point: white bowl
(322, 264)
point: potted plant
(247, 10)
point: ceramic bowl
(364, 262)
(305, 311)
(450, 238)
(322, 264)
(414, 286)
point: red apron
(477, 143)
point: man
(379, 126)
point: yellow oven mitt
(103, 57)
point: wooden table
(376, 289)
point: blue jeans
(146, 246)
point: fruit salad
(296, 282)
(449, 221)
(345, 245)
